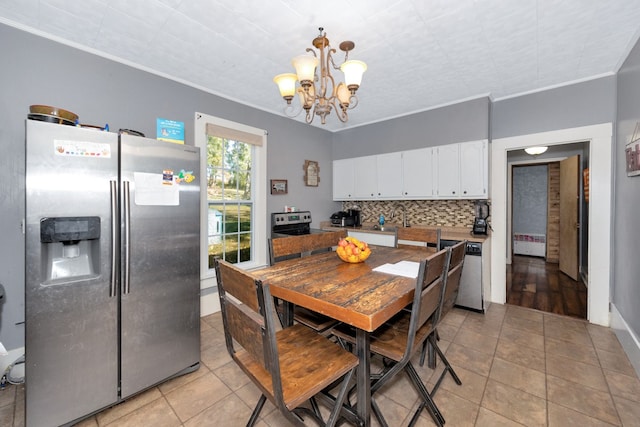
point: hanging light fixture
(317, 90)
(535, 151)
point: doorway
(599, 210)
(546, 210)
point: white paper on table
(401, 268)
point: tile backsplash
(443, 213)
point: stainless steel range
(290, 223)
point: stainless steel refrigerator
(112, 268)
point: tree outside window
(230, 201)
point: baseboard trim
(209, 304)
(627, 337)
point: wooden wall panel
(553, 213)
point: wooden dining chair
(452, 285)
(289, 366)
(398, 339)
(423, 238)
(284, 248)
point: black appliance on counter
(348, 218)
(480, 223)
(290, 223)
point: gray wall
(38, 71)
(530, 199)
(580, 104)
(466, 121)
(626, 240)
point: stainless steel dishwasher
(470, 295)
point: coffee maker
(480, 224)
(356, 215)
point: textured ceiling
(421, 53)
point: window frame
(258, 188)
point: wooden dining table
(351, 293)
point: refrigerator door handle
(127, 236)
(114, 238)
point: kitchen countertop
(447, 233)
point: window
(233, 195)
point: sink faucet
(405, 222)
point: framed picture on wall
(278, 186)
(311, 173)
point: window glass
(230, 200)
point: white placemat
(401, 268)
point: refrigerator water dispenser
(70, 247)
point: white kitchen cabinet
(389, 171)
(418, 174)
(448, 173)
(366, 178)
(462, 170)
(343, 179)
(474, 167)
(453, 171)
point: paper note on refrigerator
(155, 189)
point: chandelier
(318, 92)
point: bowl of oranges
(352, 250)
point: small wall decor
(311, 173)
(632, 153)
(585, 184)
(278, 186)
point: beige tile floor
(518, 367)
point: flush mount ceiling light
(318, 92)
(535, 151)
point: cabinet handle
(465, 192)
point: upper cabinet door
(389, 167)
(448, 171)
(343, 179)
(418, 174)
(474, 169)
(365, 181)
(453, 171)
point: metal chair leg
(447, 368)
(256, 411)
(340, 399)
(427, 400)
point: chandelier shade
(318, 91)
(535, 151)
(353, 71)
(287, 84)
(305, 66)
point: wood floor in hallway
(534, 283)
